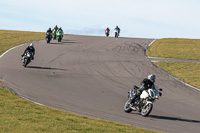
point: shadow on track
(63, 43)
(47, 68)
(173, 118)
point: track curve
(92, 75)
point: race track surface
(92, 75)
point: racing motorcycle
(59, 34)
(144, 102)
(116, 31)
(48, 37)
(26, 59)
(107, 33)
(54, 34)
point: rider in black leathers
(31, 49)
(117, 28)
(146, 84)
(49, 30)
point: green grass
(185, 71)
(11, 38)
(175, 48)
(21, 116)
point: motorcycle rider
(146, 84)
(49, 30)
(108, 29)
(56, 27)
(31, 49)
(61, 30)
(117, 28)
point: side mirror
(160, 89)
(160, 94)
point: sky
(136, 18)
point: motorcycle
(26, 59)
(116, 31)
(59, 34)
(144, 102)
(54, 34)
(48, 37)
(107, 33)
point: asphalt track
(92, 75)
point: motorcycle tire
(127, 107)
(25, 62)
(59, 39)
(146, 110)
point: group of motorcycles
(55, 34)
(116, 33)
(143, 103)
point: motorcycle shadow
(63, 43)
(47, 68)
(173, 118)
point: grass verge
(11, 38)
(19, 115)
(185, 71)
(175, 48)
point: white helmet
(152, 78)
(31, 45)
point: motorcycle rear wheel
(127, 107)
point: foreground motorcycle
(116, 31)
(54, 34)
(59, 34)
(107, 33)
(26, 59)
(48, 37)
(143, 103)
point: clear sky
(136, 18)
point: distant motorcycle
(48, 37)
(59, 35)
(116, 31)
(143, 103)
(26, 59)
(107, 33)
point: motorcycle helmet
(152, 78)
(31, 45)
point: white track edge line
(2, 80)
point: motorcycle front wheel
(146, 110)
(25, 62)
(127, 107)
(59, 39)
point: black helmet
(49, 28)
